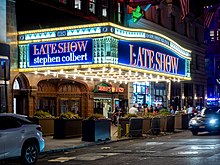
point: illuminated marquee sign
(60, 53)
(151, 57)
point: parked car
(207, 120)
(19, 137)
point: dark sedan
(207, 121)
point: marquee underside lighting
(104, 72)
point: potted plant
(96, 128)
(46, 120)
(68, 125)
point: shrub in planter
(68, 125)
(46, 120)
(96, 128)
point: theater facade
(90, 68)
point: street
(176, 149)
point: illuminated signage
(109, 89)
(60, 53)
(137, 14)
(151, 57)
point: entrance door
(20, 102)
(70, 105)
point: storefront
(91, 68)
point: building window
(104, 8)
(92, 6)
(78, 4)
(63, 1)
(119, 13)
(197, 62)
(196, 34)
(212, 35)
(159, 16)
(185, 29)
(141, 93)
(173, 23)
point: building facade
(91, 68)
(160, 25)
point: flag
(184, 4)
(209, 14)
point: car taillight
(39, 128)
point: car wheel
(195, 132)
(29, 154)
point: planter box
(167, 123)
(170, 123)
(123, 122)
(47, 125)
(96, 130)
(155, 126)
(135, 126)
(67, 128)
(181, 121)
(146, 125)
(163, 123)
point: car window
(214, 110)
(8, 122)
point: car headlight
(193, 121)
(212, 121)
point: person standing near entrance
(116, 114)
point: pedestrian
(116, 115)
(172, 111)
(190, 111)
(133, 110)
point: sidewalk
(57, 145)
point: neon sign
(60, 53)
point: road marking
(187, 152)
(62, 159)
(154, 143)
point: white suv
(19, 137)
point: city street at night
(176, 149)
